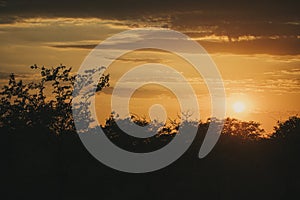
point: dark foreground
(39, 165)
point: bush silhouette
(26, 105)
(245, 130)
(40, 144)
(289, 129)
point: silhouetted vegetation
(289, 129)
(43, 153)
(26, 105)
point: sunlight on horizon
(265, 80)
(238, 107)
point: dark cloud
(2, 3)
(273, 46)
(6, 75)
(219, 8)
(146, 60)
(79, 46)
(150, 92)
(279, 46)
(182, 13)
(231, 18)
(7, 19)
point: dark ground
(38, 165)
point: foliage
(250, 165)
(25, 105)
(289, 129)
(243, 129)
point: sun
(238, 107)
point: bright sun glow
(238, 107)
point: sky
(255, 45)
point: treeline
(44, 155)
(47, 103)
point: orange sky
(259, 57)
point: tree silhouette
(26, 105)
(289, 129)
(41, 107)
(242, 129)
